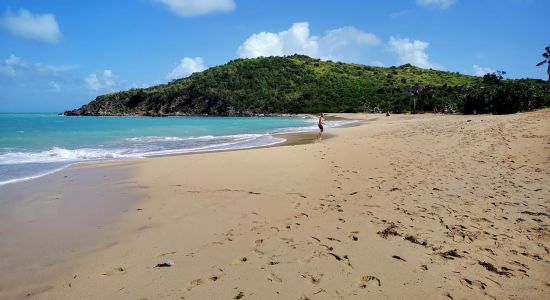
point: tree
(546, 60)
(493, 78)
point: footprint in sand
(353, 235)
(298, 194)
(194, 283)
(39, 290)
(258, 251)
(274, 278)
(475, 283)
(313, 279)
(309, 258)
(117, 270)
(301, 215)
(239, 261)
(227, 237)
(365, 279)
(329, 248)
(166, 254)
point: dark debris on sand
(451, 254)
(165, 264)
(398, 258)
(414, 240)
(389, 231)
(491, 268)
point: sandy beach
(405, 207)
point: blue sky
(60, 54)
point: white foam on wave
(155, 139)
(328, 124)
(252, 141)
(341, 123)
(57, 154)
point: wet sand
(409, 206)
(48, 224)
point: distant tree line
(498, 96)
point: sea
(37, 144)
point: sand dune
(407, 207)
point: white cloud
(54, 86)
(38, 27)
(189, 8)
(106, 80)
(14, 66)
(9, 65)
(442, 4)
(338, 44)
(413, 53)
(92, 82)
(13, 60)
(186, 67)
(36, 77)
(344, 44)
(480, 71)
(400, 13)
(294, 40)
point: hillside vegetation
(300, 84)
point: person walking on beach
(321, 123)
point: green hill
(292, 84)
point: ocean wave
(56, 154)
(156, 139)
(155, 145)
(341, 123)
(242, 143)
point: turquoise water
(36, 144)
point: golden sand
(407, 207)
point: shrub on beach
(506, 97)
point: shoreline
(273, 221)
(290, 139)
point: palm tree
(546, 61)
